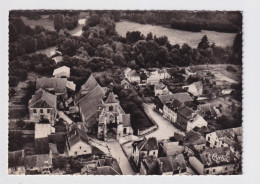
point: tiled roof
(76, 135)
(185, 112)
(42, 99)
(172, 163)
(148, 144)
(182, 97)
(217, 156)
(58, 84)
(194, 138)
(174, 104)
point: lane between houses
(165, 128)
(117, 152)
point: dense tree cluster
(24, 39)
(19, 68)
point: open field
(44, 21)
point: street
(165, 128)
(117, 152)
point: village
(187, 124)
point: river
(177, 36)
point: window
(208, 138)
(48, 111)
(154, 153)
(124, 131)
(207, 171)
(110, 108)
(41, 110)
(34, 111)
(75, 153)
(226, 169)
(215, 143)
(80, 147)
(214, 170)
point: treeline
(221, 21)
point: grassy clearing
(44, 21)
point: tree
(13, 35)
(93, 20)
(134, 36)
(29, 44)
(58, 22)
(204, 43)
(149, 36)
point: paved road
(165, 128)
(117, 152)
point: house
(144, 148)
(214, 161)
(231, 138)
(132, 75)
(196, 88)
(209, 111)
(41, 163)
(43, 129)
(71, 85)
(190, 71)
(187, 119)
(171, 147)
(155, 75)
(149, 166)
(170, 110)
(161, 100)
(104, 166)
(113, 121)
(172, 165)
(63, 71)
(90, 100)
(53, 85)
(125, 83)
(226, 91)
(16, 162)
(42, 105)
(78, 142)
(191, 138)
(161, 89)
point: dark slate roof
(90, 103)
(207, 108)
(76, 135)
(16, 158)
(126, 120)
(172, 163)
(194, 138)
(111, 98)
(182, 97)
(174, 104)
(186, 112)
(148, 144)
(58, 84)
(42, 99)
